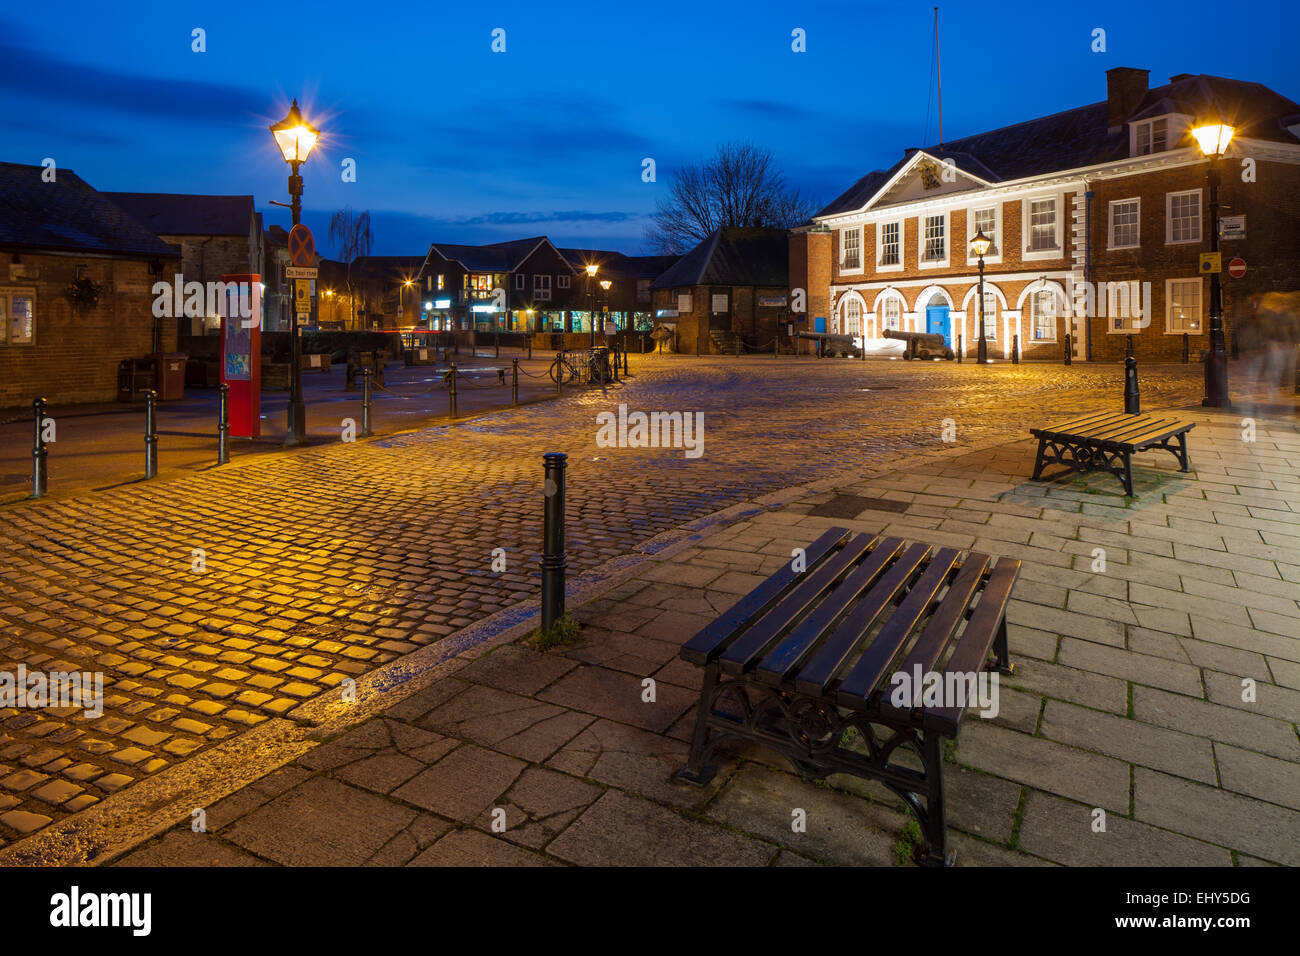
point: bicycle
(585, 366)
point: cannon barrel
(932, 339)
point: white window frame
(1032, 299)
(883, 322)
(990, 320)
(541, 287)
(1169, 302)
(7, 295)
(995, 252)
(1150, 126)
(1027, 231)
(880, 246)
(1110, 223)
(844, 246)
(562, 282)
(684, 302)
(1169, 217)
(921, 261)
(856, 303)
(521, 281)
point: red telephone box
(241, 352)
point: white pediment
(926, 177)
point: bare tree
(352, 237)
(739, 186)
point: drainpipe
(1087, 269)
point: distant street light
(295, 138)
(591, 301)
(1213, 138)
(605, 284)
(980, 244)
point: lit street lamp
(591, 302)
(605, 284)
(401, 307)
(980, 244)
(1213, 138)
(295, 138)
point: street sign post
(300, 272)
(1211, 262)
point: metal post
(295, 432)
(961, 345)
(530, 346)
(150, 434)
(1186, 349)
(39, 452)
(559, 375)
(514, 382)
(553, 558)
(496, 342)
(626, 373)
(223, 423)
(1069, 348)
(1216, 360)
(365, 404)
(983, 358)
(1132, 402)
(451, 391)
(1015, 349)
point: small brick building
(54, 235)
(1108, 200)
(730, 292)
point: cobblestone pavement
(1128, 696)
(217, 601)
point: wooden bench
(1107, 441)
(811, 654)
(468, 369)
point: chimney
(1125, 87)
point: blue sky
(456, 143)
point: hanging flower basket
(84, 294)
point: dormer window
(1151, 136)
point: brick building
(730, 292)
(54, 343)
(216, 235)
(1109, 197)
(628, 301)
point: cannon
(922, 345)
(830, 343)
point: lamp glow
(1213, 138)
(980, 244)
(294, 136)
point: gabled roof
(615, 263)
(732, 256)
(68, 215)
(1081, 137)
(179, 214)
(495, 257)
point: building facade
(1098, 217)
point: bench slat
(871, 666)
(818, 673)
(952, 611)
(1128, 432)
(706, 645)
(1087, 421)
(972, 648)
(745, 650)
(787, 656)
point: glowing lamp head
(428, 305)
(605, 284)
(980, 244)
(294, 136)
(1213, 138)
(591, 269)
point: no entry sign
(302, 245)
(1237, 268)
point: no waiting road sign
(1237, 268)
(302, 245)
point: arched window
(891, 313)
(852, 316)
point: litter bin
(170, 375)
(134, 378)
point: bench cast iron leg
(697, 771)
(936, 827)
(1001, 658)
(1182, 453)
(1128, 475)
(1038, 462)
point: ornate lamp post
(591, 302)
(1213, 138)
(980, 244)
(295, 138)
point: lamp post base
(296, 423)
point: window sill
(896, 267)
(1183, 242)
(936, 264)
(1033, 255)
(1122, 248)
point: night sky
(456, 143)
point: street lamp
(980, 244)
(295, 138)
(591, 297)
(401, 307)
(1213, 138)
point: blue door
(936, 321)
(819, 323)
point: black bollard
(39, 452)
(553, 558)
(559, 375)
(150, 434)
(1186, 349)
(530, 345)
(961, 346)
(223, 423)
(1069, 348)
(514, 382)
(1015, 349)
(496, 343)
(451, 389)
(1132, 401)
(365, 404)
(626, 373)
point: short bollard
(626, 373)
(1069, 348)
(1186, 349)
(151, 434)
(1015, 349)
(559, 375)
(616, 363)
(39, 452)
(365, 404)
(1132, 401)
(451, 389)
(553, 558)
(496, 343)
(530, 346)
(514, 382)
(223, 423)
(961, 346)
